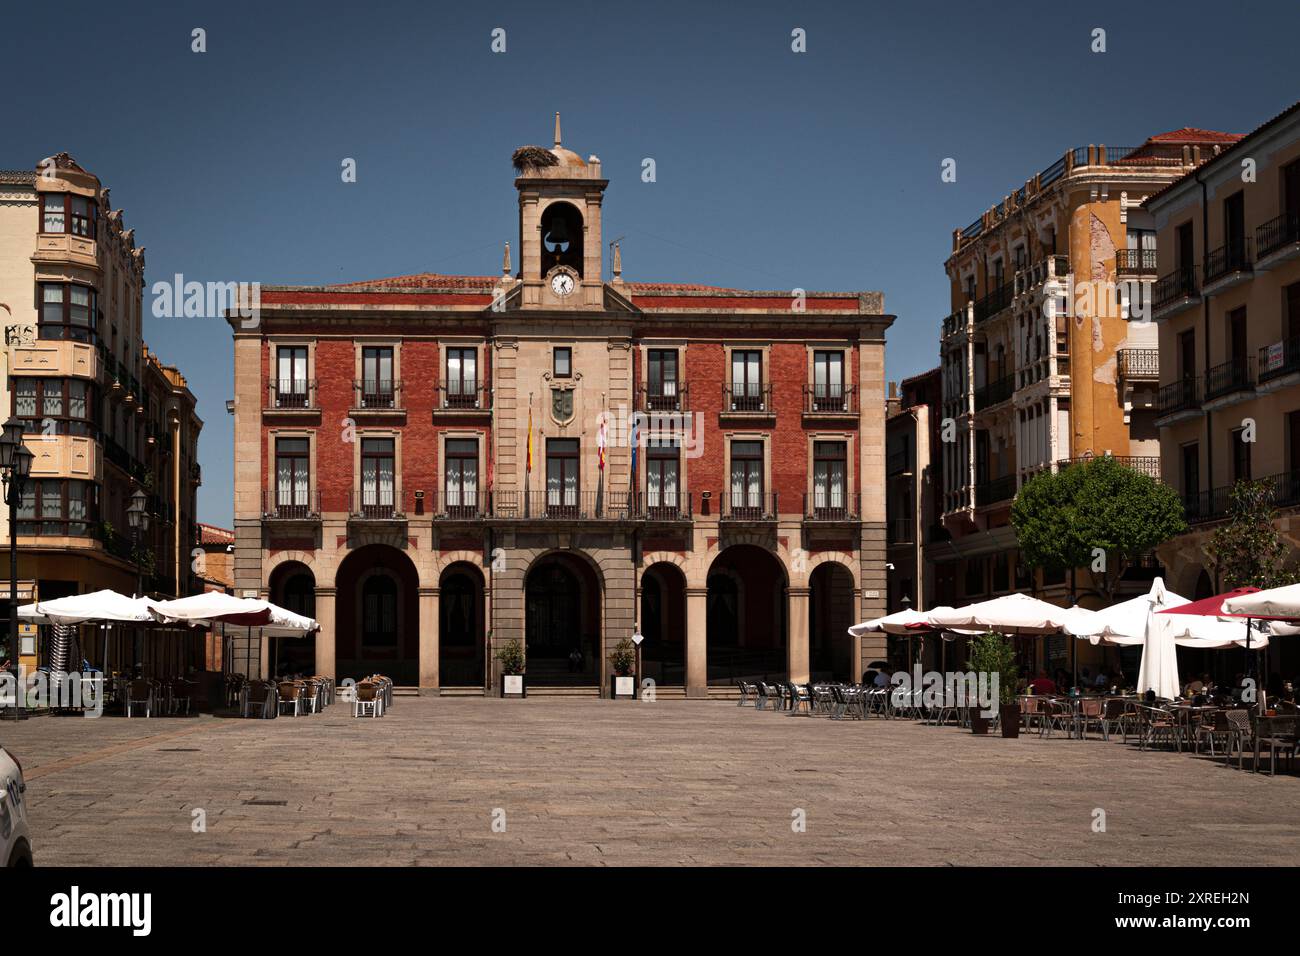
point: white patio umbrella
(1280, 603)
(94, 607)
(1124, 623)
(1009, 614)
(1159, 669)
(271, 620)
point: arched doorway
(830, 615)
(663, 624)
(460, 626)
(562, 624)
(746, 616)
(293, 587)
(377, 624)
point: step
(589, 691)
(460, 692)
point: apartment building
(914, 496)
(1227, 309)
(434, 466)
(1045, 357)
(103, 416)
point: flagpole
(528, 461)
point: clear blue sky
(775, 170)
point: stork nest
(526, 157)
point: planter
(622, 688)
(513, 685)
(1010, 714)
(979, 724)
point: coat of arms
(562, 404)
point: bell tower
(560, 196)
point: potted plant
(623, 660)
(511, 659)
(992, 654)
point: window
(291, 387)
(56, 506)
(379, 494)
(462, 476)
(562, 362)
(292, 477)
(1240, 456)
(746, 478)
(83, 217)
(561, 475)
(68, 311)
(746, 380)
(661, 380)
(828, 382)
(377, 385)
(830, 487)
(53, 209)
(379, 611)
(69, 404)
(68, 213)
(462, 378)
(662, 471)
(1191, 474)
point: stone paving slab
(592, 782)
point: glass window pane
(54, 207)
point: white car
(15, 839)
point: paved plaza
(585, 781)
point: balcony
(994, 302)
(740, 507)
(291, 398)
(830, 508)
(196, 473)
(1138, 364)
(995, 393)
(460, 505)
(830, 401)
(466, 399)
(1204, 506)
(657, 507)
(563, 505)
(1175, 292)
(291, 508)
(901, 531)
(1232, 378)
(663, 397)
(1277, 241)
(748, 400)
(377, 506)
(1179, 400)
(1277, 362)
(377, 398)
(1145, 464)
(1228, 265)
(1135, 263)
(995, 491)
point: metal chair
(367, 701)
(141, 693)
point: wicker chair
(259, 699)
(291, 692)
(368, 701)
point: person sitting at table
(1194, 687)
(882, 677)
(1042, 684)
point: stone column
(430, 622)
(856, 660)
(797, 640)
(325, 653)
(697, 670)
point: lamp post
(137, 517)
(906, 605)
(15, 466)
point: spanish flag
(529, 466)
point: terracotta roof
(1192, 134)
(657, 288)
(211, 534)
(422, 280)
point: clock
(562, 283)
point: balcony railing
(833, 506)
(377, 393)
(1146, 464)
(288, 505)
(1139, 363)
(1135, 262)
(748, 506)
(746, 397)
(292, 393)
(1235, 375)
(1180, 396)
(1229, 258)
(1200, 507)
(994, 302)
(376, 503)
(662, 506)
(901, 531)
(1276, 233)
(1179, 284)
(460, 504)
(997, 490)
(663, 397)
(830, 399)
(563, 505)
(995, 392)
(467, 396)
(1278, 359)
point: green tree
(1247, 550)
(1096, 515)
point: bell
(558, 235)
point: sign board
(871, 594)
(1273, 357)
(638, 637)
(26, 630)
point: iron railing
(664, 397)
(832, 399)
(994, 302)
(1146, 464)
(740, 505)
(563, 505)
(1179, 396)
(1139, 363)
(995, 392)
(467, 396)
(377, 503)
(746, 397)
(377, 393)
(1135, 262)
(1235, 375)
(1229, 258)
(1180, 284)
(288, 505)
(1284, 230)
(1278, 359)
(996, 490)
(834, 505)
(292, 393)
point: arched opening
(561, 237)
(461, 626)
(746, 616)
(377, 627)
(663, 624)
(562, 623)
(1204, 586)
(830, 615)
(293, 587)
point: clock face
(561, 283)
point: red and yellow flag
(529, 466)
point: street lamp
(15, 466)
(137, 518)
